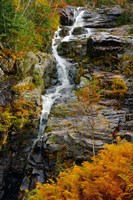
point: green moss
(61, 111)
(125, 17)
(52, 139)
(127, 61)
(37, 78)
(116, 89)
(79, 74)
(131, 29)
(49, 129)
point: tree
(6, 16)
(88, 97)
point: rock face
(38, 69)
(100, 45)
(41, 67)
(101, 18)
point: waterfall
(49, 98)
(61, 64)
(61, 89)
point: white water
(49, 99)
(79, 22)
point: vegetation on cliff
(109, 176)
(17, 115)
(88, 98)
(28, 25)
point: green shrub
(125, 17)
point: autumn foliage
(108, 177)
(28, 25)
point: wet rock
(5, 92)
(73, 73)
(103, 18)
(67, 16)
(50, 73)
(128, 135)
(102, 44)
(64, 31)
(39, 174)
(79, 31)
(88, 14)
(4, 167)
(53, 148)
(25, 184)
(76, 135)
(73, 49)
(129, 125)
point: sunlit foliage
(119, 87)
(15, 116)
(26, 25)
(6, 119)
(90, 94)
(19, 89)
(110, 176)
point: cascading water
(49, 99)
(62, 88)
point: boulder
(64, 31)
(73, 49)
(114, 11)
(67, 16)
(79, 31)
